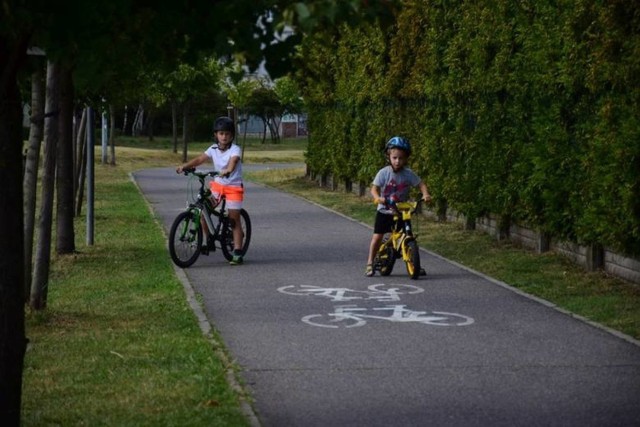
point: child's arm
(375, 193)
(230, 167)
(196, 161)
(426, 197)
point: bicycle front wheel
(412, 258)
(385, 258)
(226, 238)
(185, 239)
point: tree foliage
(107, 47)
(527, 109)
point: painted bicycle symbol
(378, 292)
(350, 316)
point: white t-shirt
(221, 160)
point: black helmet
(224, 123)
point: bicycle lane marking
(350, 316)
(373, 292)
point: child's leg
(376, 241)
(238, 235)
(382, 225)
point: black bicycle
(186, 235)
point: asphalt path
(319, 344)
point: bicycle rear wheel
(413, 258)
(185, 239)
(226, 235)
(385, 258)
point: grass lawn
(119, 344)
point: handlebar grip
(187, 171)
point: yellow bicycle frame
(398, 237)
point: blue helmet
(398, 142)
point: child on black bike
(226, 161)
(392, 184)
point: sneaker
(369, 271)
(236, 260)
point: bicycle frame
(204, 204)
(398, 238)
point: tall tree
(38, 298)
(239, 93)
(30, 183)
(12, 337)
(81, 161)
(65, 235)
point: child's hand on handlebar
(182, 169)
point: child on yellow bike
(226, 160)
(391, 185)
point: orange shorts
(233, 193)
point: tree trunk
(81, 161)
(149, 124)
(274, 125)
(74, 138)
(30, 182)
(65, 236)
(264, 130)
(244, 137)
(12, 335)
(174, 124)
(124, 121)
(112, 139)
(38, 299)
(138, 121)
(185, 130)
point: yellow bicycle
(401, 243)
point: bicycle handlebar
(201, 175)
(401, 206)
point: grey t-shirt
(395, 185)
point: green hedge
(528, 109)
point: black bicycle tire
(226, 239)
(176, 257)
(386, 264)
(413, 264)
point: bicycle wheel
(226, 235)
(413, 258)
(385, 258)
(185, 239)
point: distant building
(291, 126)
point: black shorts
(384, 223)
